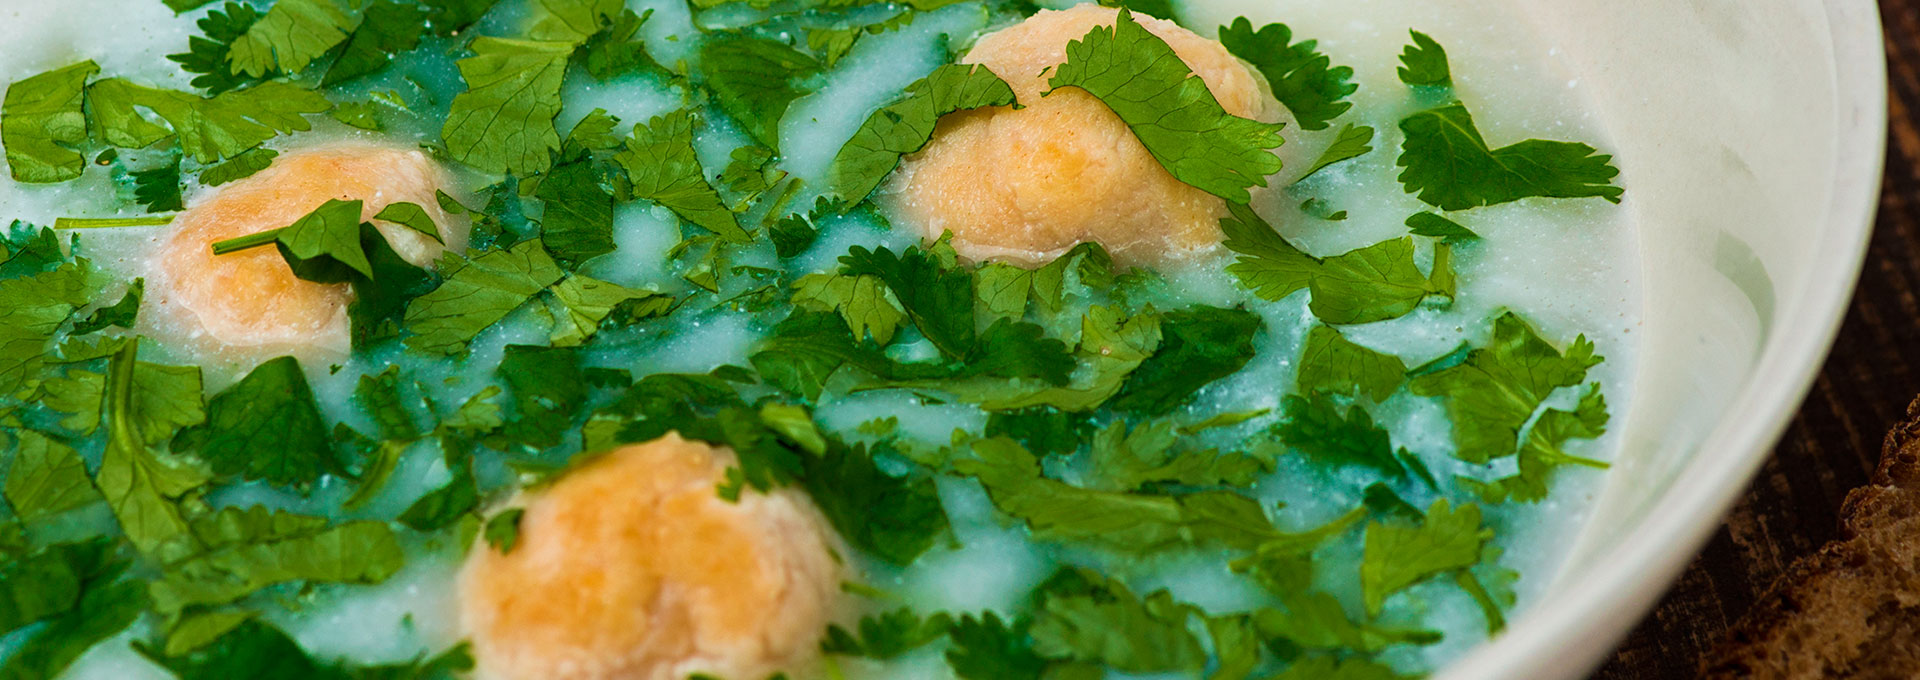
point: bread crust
(1852, 609)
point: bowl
(1752, 137)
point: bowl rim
(1582, 623)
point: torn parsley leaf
(477, 293)
(504, 121)
(387, 28)
(208, 128)
(1450, 166)
(45, 479)
(1331, 363)
(752, 79)
(1301, 77)
(1434, 226)
(1496, 390)
(1424, 63)
(660, 160)
(289, 36)
(41, 123)
(1198, 345)
(1353, 142)
(1140, 78)
(267, 427)
(1398, 556)
(905, 126)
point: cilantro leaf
(411, 216)
(1450, 166)
(1128, 460)
(158, 189)
(106, 605)
(503, 530)
(1135, 523)
(208, 55)
(254, 548)
(896, 518)
(451, 17)
(442, 507)
(1435, 226)
(1541, 453)
(166, 398)
(208, 128)
(1016, 349)
(1140, 78)
(1302, 78)
(1424, 63)
(387, 28)
(571, 20)
(1332, 363)
(380, 395)
(1108, 624)
(905, 126)
(614, 51)
(1198, 345)
(477, 294)
(121, 314)
(140, 484)
(547, 390)
(1316, 427)
(239, 167)
(664, 168)
(888, 635)
(578, 223)
(1374, 283)
(1327, 668)
(587, 303)
(256, 649)
(1353, 142)
(1398, 556)
(289, 36)
(45, 479)
(504, 121)
(47, 581)
(986, 648)
(41, 123)
(31, 310)
(324, 245)
(380, 302)
(266, 427)
(939, 299)
(1267, 263)
(1497, 388)
(865, 302)
(752, 79)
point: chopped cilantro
(578, 223)
(1496, 390)
(32, 308)
(1374, 283)
(382, 396)
(504, 121)
(139, 483)
(363, 115)
(1315, 426)
(45, 479)
(1353, 142)
(1541, 453)
(905, 126)
(1331, 363)
(249, 549)
(106, 605)
(239, 167)
(208, 128)
(865, 302)
(256, 649)
(939, 299)
(442, 507)
(1129, 460)
(1043, 430)
(586, 304)
(1106, 623)
(1140, 78)
(1398, 556)
(1435, 226)
(1198, 346)
(119, 314)
(547, 389)
(477, 293)
(207, 55)
(387, 28)
(1424, 63)
(267, 426)
(1450, 166)
(411, 216)
(986, 648)
(888, 635)
(660, 160)
(1328, 668)
(753, 80)
(41, 124)
(503, 530)
(1302, 78)
(894, 517)
(289, 36)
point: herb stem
(110, 222)
(245, 242)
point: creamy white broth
(1567, 266)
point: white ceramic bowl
(1752, 135)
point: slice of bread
(1851, 610)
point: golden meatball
(631, 567)
(1026, 185)
(250, 299)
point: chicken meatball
(1026, 185)
(631, 567)
(250, 300)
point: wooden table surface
(1834, 442)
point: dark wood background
(1834, 442)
